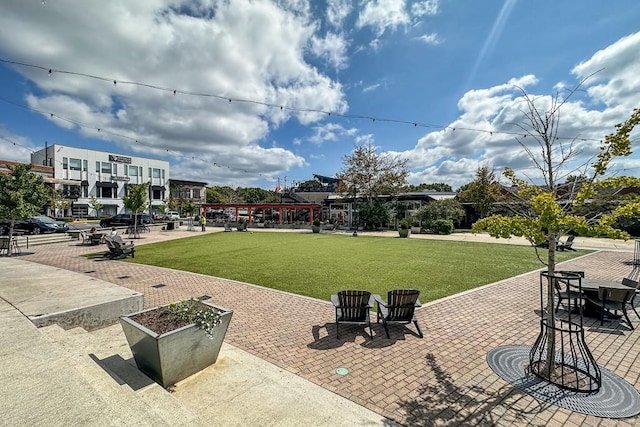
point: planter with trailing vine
(170, 343)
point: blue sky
(441, 64)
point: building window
(163, 174)
(85, 191)
(75, 164)
(149, 172)
(106, 192)
(85, 165)
(157, 194)
(133, 170)
(196, 193)
(115, 169)
(65, 163)
(106, 167)
(185, 193)
(156, 173)
(97, 166)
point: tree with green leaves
(218, 194)
(434, 186)
(22, 194)
(367, 175)
(96, 205)
(59, 202)
(136, 201)
(483, 192)
(550, 210)
(448, 210)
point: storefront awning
(61, 181)
(107, 184)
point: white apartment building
(83, 174)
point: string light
(266, 104)
(128, 138)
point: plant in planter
(404, 229)
(316, 226)
(170, 343)
(241, 225)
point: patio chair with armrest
(399, 308)
(567, 245)
(118, 248)
(352, 306)
(613, 299)
(568, 293)
(635, 285)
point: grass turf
(318, 265)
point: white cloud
(239, 49)
(491, 120)
(331, 132)
(332, 48)
(431, 39)
(370, 88)
(383, 15)
(337, 12)
(427, 7)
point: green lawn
(318, 265)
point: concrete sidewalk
(42, 383)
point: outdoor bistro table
(590, 288)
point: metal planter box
(175, 355)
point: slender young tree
(136, 201)
(548, 211)
(22, 194)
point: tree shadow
(442, 402)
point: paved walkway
(442, 379)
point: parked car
(172, 216)
(60, 226)
(124, 220)
(33, 225)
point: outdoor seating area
(118, 248)
(9, 245)
(443, 378)
(597, 298)
(354, 306)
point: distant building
(82, 174)
(188, 191)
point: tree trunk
(551, 316)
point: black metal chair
(613, 299)
(399, 308)
(567, 245)
(568, 293)
(635, 285)
(353, 306)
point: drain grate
(90, 271)
(123, 277)
(615, 399)
(159, 285)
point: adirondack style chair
(399, 308)
(352, 306)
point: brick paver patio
(442, 379)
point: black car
(43, 221)
(34, 225)
(124, 220)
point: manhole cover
(615, 399)
(342, 371)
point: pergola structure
(290, 211)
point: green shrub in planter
(443, 226)
(316, 226)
